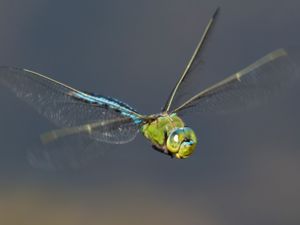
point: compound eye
(175, 139)
(188, 144)
(186, 149)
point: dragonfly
(105, 119)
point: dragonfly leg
(162, 151)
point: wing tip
(217, 11)
(10, 68)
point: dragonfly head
(182, 142)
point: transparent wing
(68, 107)
(250, 86)
(68, 153)
(100, 130)
(193, 65)
(79, 146)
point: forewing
(185, 85)
(250, 86)
(68, 107)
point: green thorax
(159, 129)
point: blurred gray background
(246, 168)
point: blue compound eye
(182, 142)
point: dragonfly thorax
(169, 135)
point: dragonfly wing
(68, 107)
(79, 146)
(183, 86)
(250, 86)
(118, 131)
(67, 153)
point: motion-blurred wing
(107, 131)
(250, 86)
(67, 153)
(68, 107)
(184, 83)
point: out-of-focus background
(246, 168)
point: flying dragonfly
(104, 119)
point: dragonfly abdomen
(109, 103)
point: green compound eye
(182, 142)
